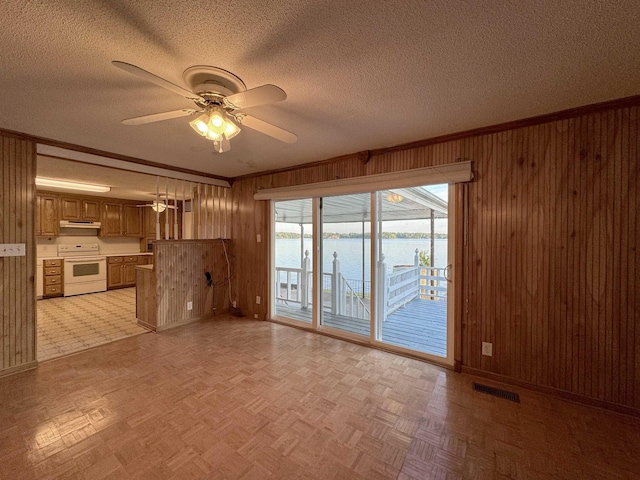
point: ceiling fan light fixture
(200, 124)
(211, 135)
(230, 129)
(158, 206)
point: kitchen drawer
(50, 290)
(53, 280)
(111, 260)
(52, 263)
(53, 271)
(131, 259)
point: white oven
(84, 272)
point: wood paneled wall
(17, 286)
(550, 264)
(211, 210)
(179, 268)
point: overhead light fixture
(216, 125)
(394, 197)
(85, 187)
(158, 206)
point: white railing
(404, 284)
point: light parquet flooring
(241, 399)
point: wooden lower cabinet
(53, 278)
(121, 271)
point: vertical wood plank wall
(179, 268)
(17, 287)
(550, 270)
(211, 210)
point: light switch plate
(12, 250)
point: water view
(399, 251)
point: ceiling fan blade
(256, 96)
(267, 128)
(156, 117)
(150, 77)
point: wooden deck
(420, 326)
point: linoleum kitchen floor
(71, 324)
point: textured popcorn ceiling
(358, 74)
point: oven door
(84, 275)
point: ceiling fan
(158, 206)
(220, 98)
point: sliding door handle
(447, 272)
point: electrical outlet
(255, 315)
(258, 300)
(189, 305)
(487, 349)
(234, 304)
(259, 238)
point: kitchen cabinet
(53, 278)
(111, 220)
(121, 271)
(145, 259)
(47, 222)
(121, 220)
(132, 220)
(79, 209)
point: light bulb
(230, 130)
(200, 124)
(217, 122)
(211, 135)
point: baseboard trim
(563, 394)
(181, 323)
(18, 368)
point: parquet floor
(241, 399)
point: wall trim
(554, 392)
(19, 368)
(366, 155)
(102, 153)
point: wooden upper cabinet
(132, 221)
(111, 220)
(47, 222)
(91, 210)
(70, 208)
(79, 209)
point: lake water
(399, 251)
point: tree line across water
(385, 235)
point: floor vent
(496, 392)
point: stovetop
(79, 250)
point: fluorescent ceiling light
(86, 187)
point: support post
(336, 297)
(304, 281)
(384, 282)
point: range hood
(79, 224)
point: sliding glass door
(293, 270)
(345, 223)
(406, 254)
(412, 258)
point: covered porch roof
(411, 203)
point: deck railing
(342, 296)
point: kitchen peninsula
(175, 290)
